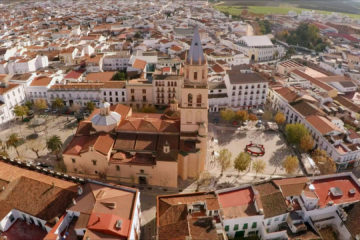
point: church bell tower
(194, 92)
(194, 107)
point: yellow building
(141, 148)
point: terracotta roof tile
(322, 124)
(139, 64)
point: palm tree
(54, 145)
(13, 141)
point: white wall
(136, 222)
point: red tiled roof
(9, 87)
(236, 198)
(322, 124)
(74, 74)
(344, 183)
(287, 93)
(100, 76)
(139, 64)
(41, 81)
(217, 68)
(105, 223)
(313, 80)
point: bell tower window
(198, 100)
(190, 100)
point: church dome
(106, 120)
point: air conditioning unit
(118, 224)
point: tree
(35, 146)
(21, 111)
(324, 162)
(40, 105)
(13, 141)
(279, 118)
(29, 104)
(291, 164)
(265, 26)
(3, 152)
(119, 76)
(294, 132)
(224, 159)
(306, 143)
(259, 166)
(242, 115)
(227, 114)
(148, 109)
(305, 35)
(242, 162)
(253, 117)
(54, 145)
(58, 104)
(90, 106)
(267, 115)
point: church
(117, 144)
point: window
(110, 93)
(94, 162)
(236, 227)
(117, 168)
(284, 217)
(142, 171)
(190, 99)
(132, 90)
(198, 100)
(254, 225)
(245, 226)
(195, 75)
(75, 169)
(123, 93)
(226, 228)
(269, 222)
(11, 218)
(96, 172)
(144, 91)
(73, 160)
(144, 98)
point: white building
(259, 48)
(218, 96)
(245, 89)
(11, 94)
(116, 62)
(327, 133)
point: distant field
(283, 9)
(344, 6)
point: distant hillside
(325, 5)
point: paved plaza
(63, 126)
(235, 140)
